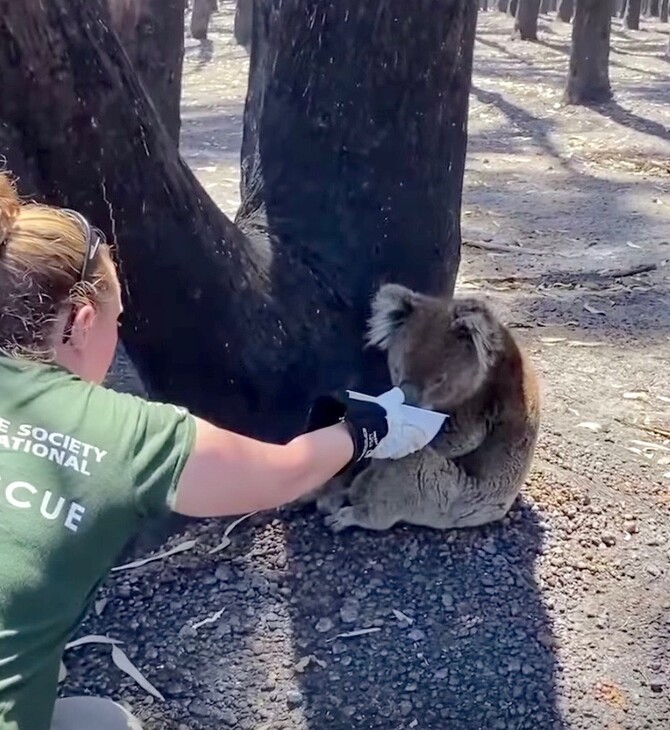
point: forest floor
(560, 616)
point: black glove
(366, 421)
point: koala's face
(436, 364)
(438, 350)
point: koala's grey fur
(453, 356)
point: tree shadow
(626, 118)
(202, 54)
(212, 134)
(594, 306)
(476, 648)
(530, 63)
(637, 69)
(204, 671)
(537, 129)
(561, 48)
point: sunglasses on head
(94, 237)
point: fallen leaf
(664, 398)
(125, 665)
(635, 450)
(305, 661)
(91, 639)
(608, 692)
(552, 340)
(636, 395)
(593, 310)
(357, 632)
(209, 620)
(650, 445)
(402, 616)
(591, 425)
(632, 245)
(100, 606)
(582, 343)
(226, 540)
(221, 546)
(182, 547)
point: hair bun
(9, 207)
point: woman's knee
(92, 713)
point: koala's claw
(341, 519)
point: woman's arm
(229, 474)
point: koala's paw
(341, 519)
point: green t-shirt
(80, 467)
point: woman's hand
(230, 474)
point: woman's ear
(81, 326)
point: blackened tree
(632, 17)
(352, 167)
(588, 76)
(525, 24)
(565, 10)
(152, 33)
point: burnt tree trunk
(624, 6)
(654, 8)
(525, 24)
(244, 10)
(503, 5)
(511, 8)
(664, 11)
(566, 8)
(354, 150)
(152, 33)
(588, 76)
(632, 17)
(200, 17)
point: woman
(81, 466)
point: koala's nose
(412, 395)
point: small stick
(651, 429)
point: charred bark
(152, 33)
(244, 10)
(664, 11)
(588, 77)
(354, 153)
(200, 17)
(502, 5)
(566, 8)
(632, 17)
(525, 24)
(511, 8)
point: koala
(453, 356)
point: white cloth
(410, 428)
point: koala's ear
(391, 307)
(473, 320)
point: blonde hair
(42, 250)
